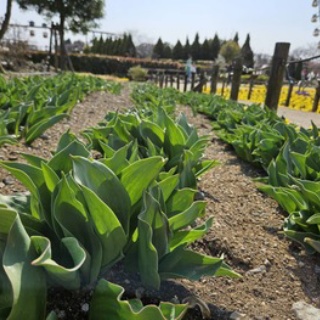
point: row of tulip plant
(135, 204)
(290, 155)
(29, 106)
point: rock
(237, 316)
(260, 269)
(8, 181)
(13, 156)
(44, 137)
(304, 311)
(267, 263)
(199, 196)
(61, 314)
(85, 307)
(317, 269)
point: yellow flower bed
(104, 77)
(300, 100)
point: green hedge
(101, 64)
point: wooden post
(316, 98)
(236, 79)
(150, 76)
(193, 75)
(185, 83)
(251, 84)
(68, 59)
(203, 81)
(156, 78)
(214, 79)
(166, 81)
(171, 80)
(161, 80)
(291, 84)
(178, 81)
(201, 84)
(276, 77)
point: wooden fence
(178, 79)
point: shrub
(138, 73)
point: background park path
(300, 118)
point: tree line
(209, 49)
(118, 47)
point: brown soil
(247, 230)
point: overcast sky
(267, 21)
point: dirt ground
(247, 229)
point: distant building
(77, 46)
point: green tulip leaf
(67, 277)
(138, 176)
(28, 283)
(107, 301)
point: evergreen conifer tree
(215, 47)
(196, 48)
(130, 48)
(100, 45)
(205, 50)
(111, 47)
(114, 50)
(186, 49)
(177, 51)
(236, 38)
(94, 47)
(167, 51)
(123, 47)
(108, 46)
(247, 53)
(158, 49)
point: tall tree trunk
(5, 26)
(6, 21)
(62, 47)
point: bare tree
(5, 25)
(310, 50)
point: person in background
(188, 68)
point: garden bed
(247, 231)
